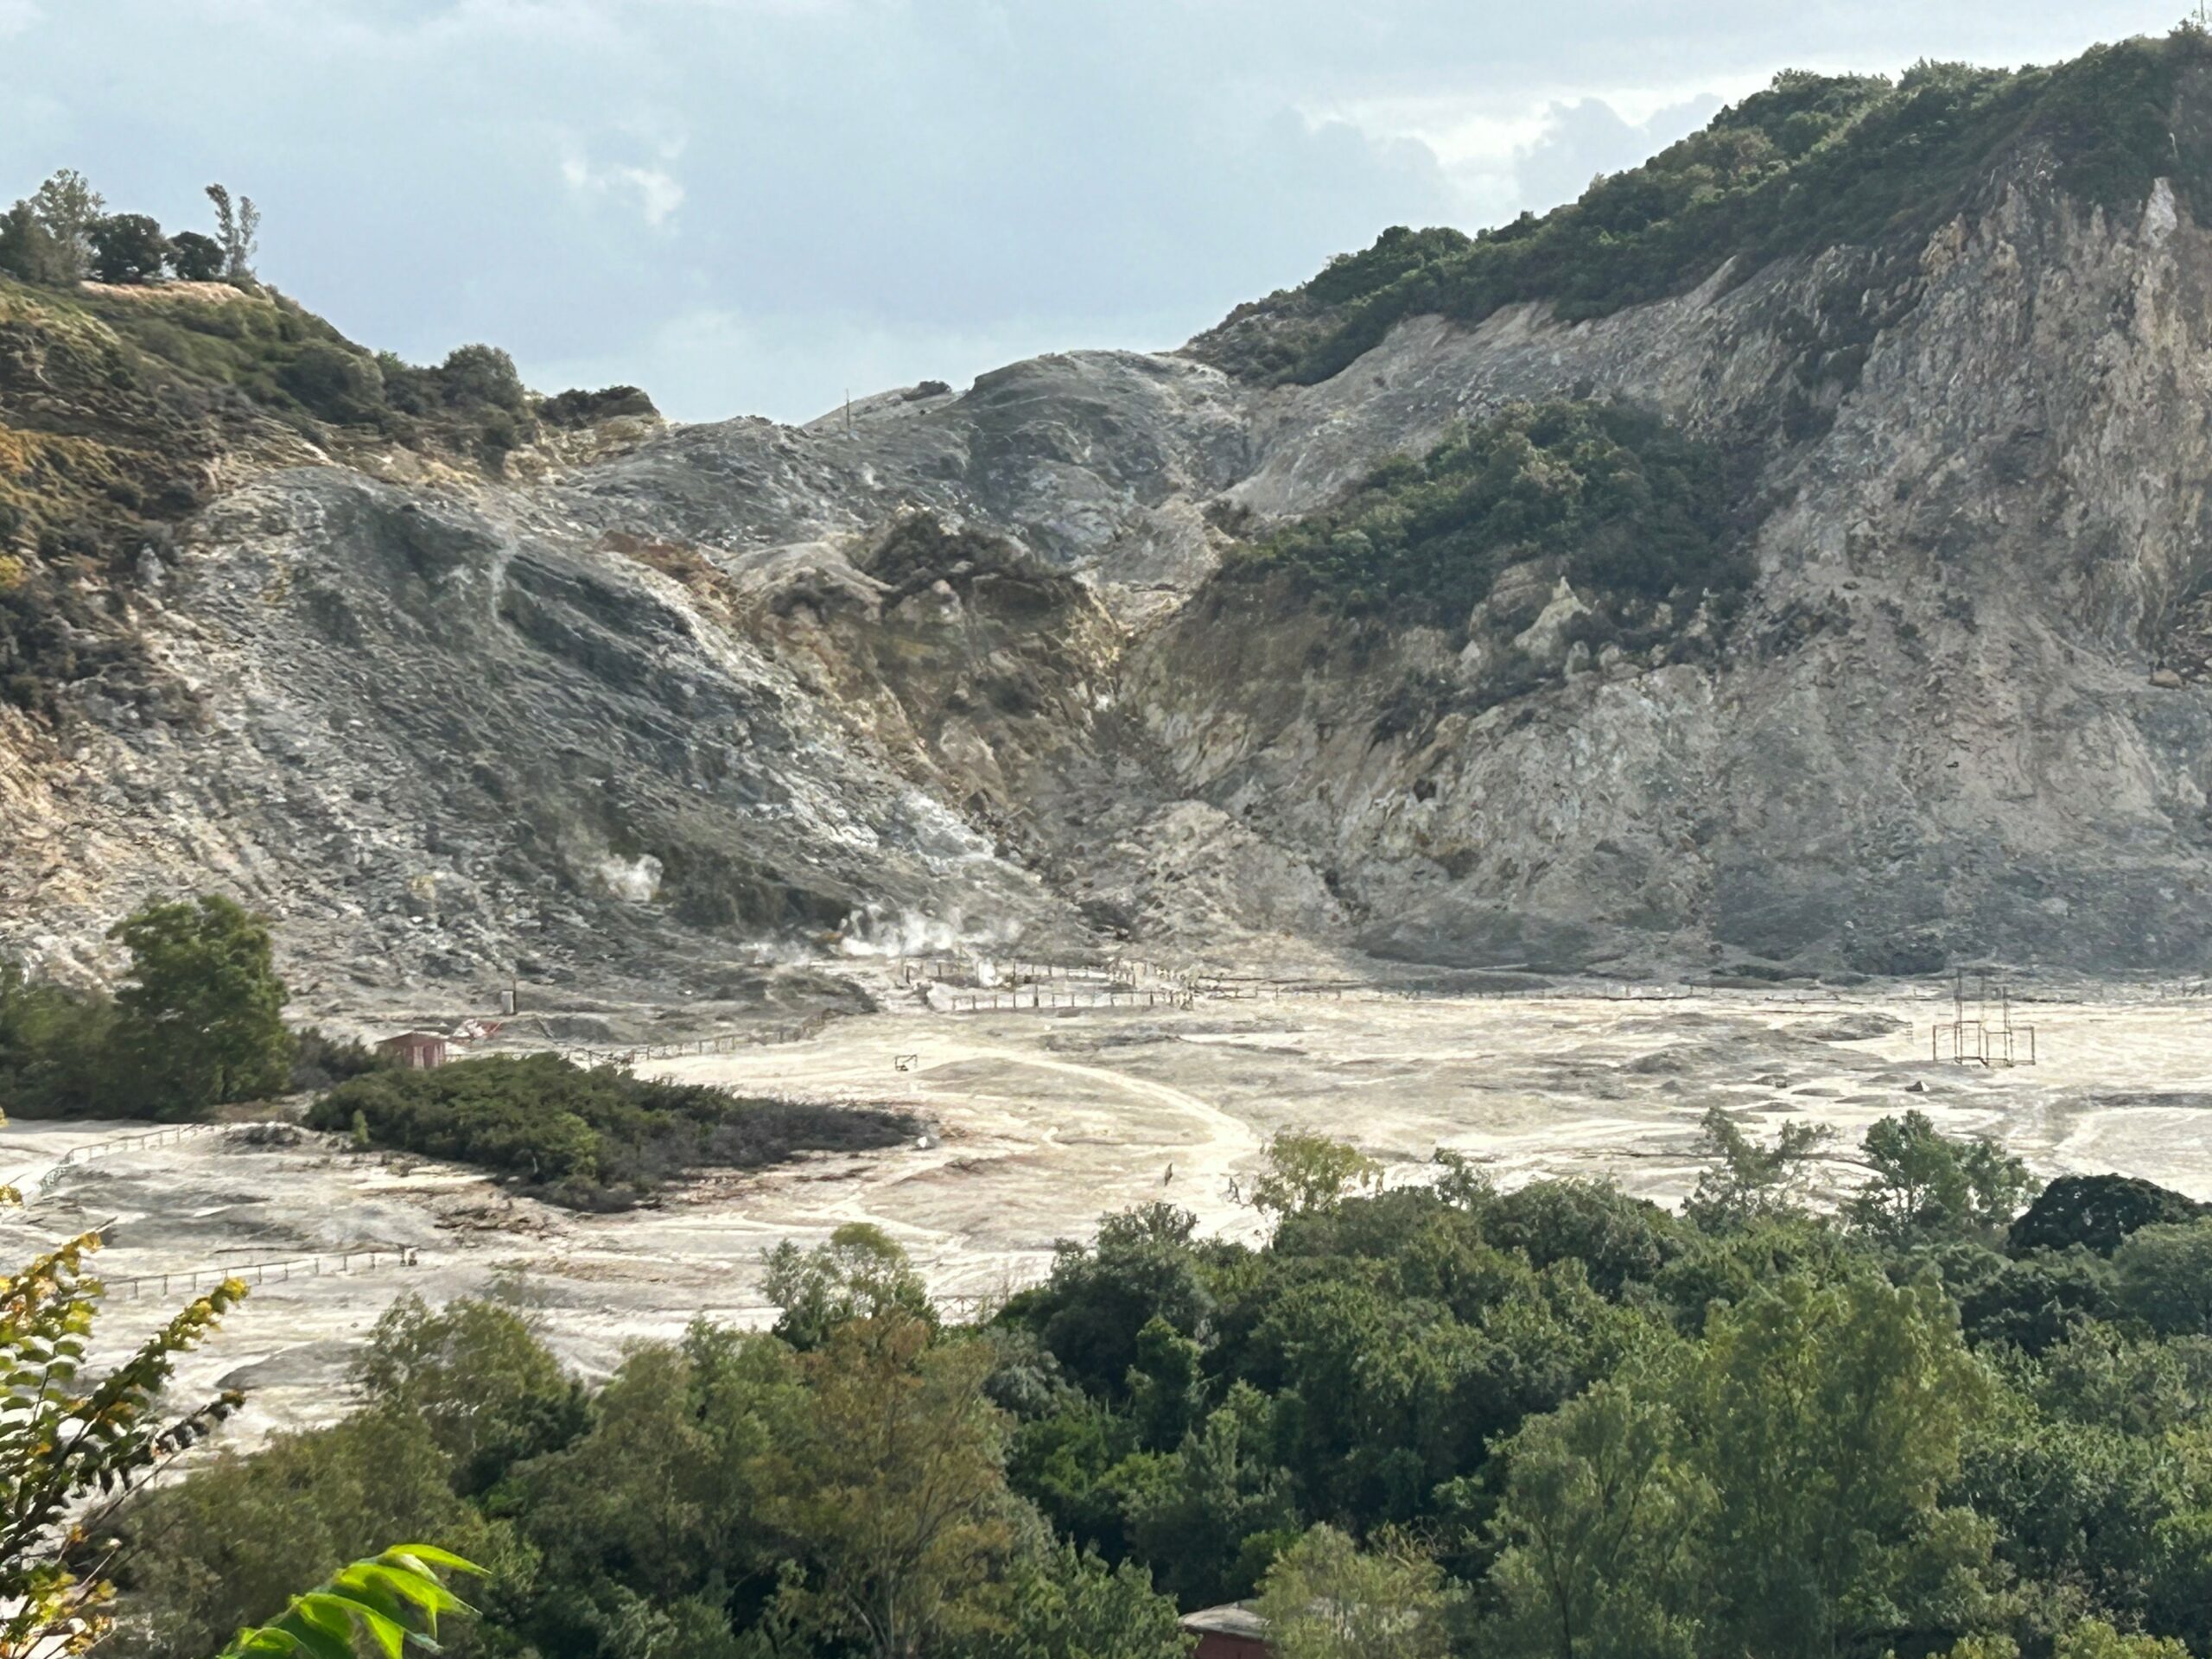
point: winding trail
(1227, 1141)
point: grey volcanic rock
(1933, 734)
(954, 669)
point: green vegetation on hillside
(120, 398)
(595, 1139)
(1812, 162)
(1622, 502)
(1554, 1423)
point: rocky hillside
(1790, 558)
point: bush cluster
(594, 1139)
(1626, 503)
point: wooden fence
(262, 1273)
(731, 1043)
(1038, 999)
(1007, 972)
(168, 1134)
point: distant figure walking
(1170, 1176)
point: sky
(751, 207)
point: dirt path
(1228, 1141)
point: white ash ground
(1042, 1123)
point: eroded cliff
(968, 667)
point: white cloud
(654, 192)
(746, 204)
(795, 365)
(1587, 137)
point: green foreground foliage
(75, 1441)
(390, 1601)
(1958, 1417)
(1813, 162)
(594, 1138)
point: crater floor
(1043, 1122)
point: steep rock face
(958, 666)
(1931, 734)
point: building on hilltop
(417, 1051)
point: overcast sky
(749, 206)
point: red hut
(1232, 1630)
(416, 1050)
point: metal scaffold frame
(1978, 1039)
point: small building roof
(1230, 1618)
(410, 1039)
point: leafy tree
(891, 1486)
(2030, 1303)
(1057, 1603)
(28, 251)
(334, 383)
(672, 1494)
(860, 1273)
(229, 1545)
(393, 1599)
(1745, 1183)
(2094, 1639)
(66, 207)
(237, 228)
(1143, 1266)
(200, 1018)
(1167, 1385)
(1306, 1173)
(2163, 1275)
(1210, 1518)
(488, 1393)
(2077, 1506)
(1828, 1419)
(54, 1049)
(2096, 1212)
(127, 248)
(1079, 1466)
(1602, 1529)
(2129, 1381)
(1618, 1240)
(1325, 1598)
(482, 376)
(1926, 1183)
(68, 1441)
(1379, 1397)
(1779, 1491)
(194, 257)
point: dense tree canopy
(1549, 1423)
